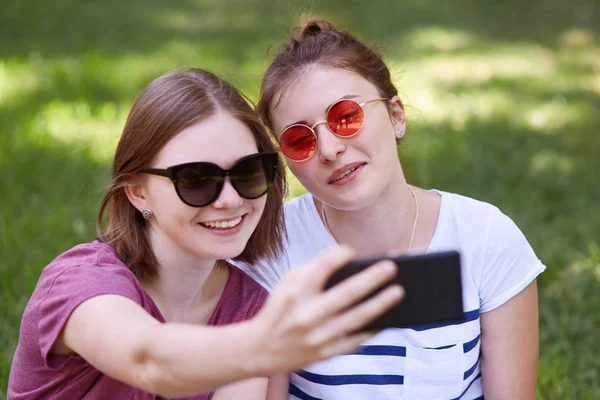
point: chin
(210, 250)
(227, 252)
(359, 198)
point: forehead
(314, 90)
(220, 139)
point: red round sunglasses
(344, 118)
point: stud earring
(400, 133)
(147, 213)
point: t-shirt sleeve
(71, 287)
(510, 263)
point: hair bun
(315, 27)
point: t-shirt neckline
(432, 242)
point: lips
(223, 223)
(340, 173)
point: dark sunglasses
(200, 183)
(344, 118)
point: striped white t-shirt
(437, 361)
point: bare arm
(122, 340)
(250, 389)
(510, 348)
(278, 386)
(273, 388)
(300, 324)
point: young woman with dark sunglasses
(330, 103)
(195, 180)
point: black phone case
(432, 285)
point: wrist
(255, 359)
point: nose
(229, 197)
(330, 147)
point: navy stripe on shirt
(337, 380)
(467, 347)
(468, 387)
(467, 317)
(399, 351)
(295, 391)
(471, 370)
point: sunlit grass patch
(570, 327)
(16, 79)
(80, 126)
(437, 39)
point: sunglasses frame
(172, 171)
(312, 128)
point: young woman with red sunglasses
(330, 103)
(125, 317)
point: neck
(386, 225)
(187, 287)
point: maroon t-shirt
(79, 274)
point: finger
(358, 317)
(345, 344)
(355, 288)
(326, 263)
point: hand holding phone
(432, 284)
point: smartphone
(432, 285)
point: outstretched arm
(298, 325)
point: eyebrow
(304, 122)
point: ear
(136, 193)
(397, 116)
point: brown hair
(166, 106)
(319, 42)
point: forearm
(179, 360)
(278, 386)
(249, 389)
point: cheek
(377, 142)
(310, 175)
(258, 206)
(305, 172)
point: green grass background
(503, 104)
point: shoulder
(498, 259)
(307, 236)
(93, 253)
(466, 220)
(299, 208)
(459, 206)
(478, 226)
(85, 270)
(468, 217)
(306, 232)
(87, 259)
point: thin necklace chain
(414, 229)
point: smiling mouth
(345, 173)
(225, 224)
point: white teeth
(222, 224)
(351, 170)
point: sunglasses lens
(254, 176)
(197, 185)
(298, 143)
(345, 118)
